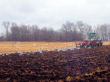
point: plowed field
(85, 65)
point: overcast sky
(53, 13)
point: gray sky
(53, 13)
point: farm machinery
(91, 42)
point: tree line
(68, 32)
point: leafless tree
(69, 32)
(6, 26)
(104, 32)
(85, 29)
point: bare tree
(104, 32)
(6, 26)
(15, 32)
(35, 31)
(85, 29)
(69, 32)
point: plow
(92, 41)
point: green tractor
(92, 41)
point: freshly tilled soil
(92, 64)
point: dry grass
(106, 43)
(10, 47)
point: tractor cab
(92, 36)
